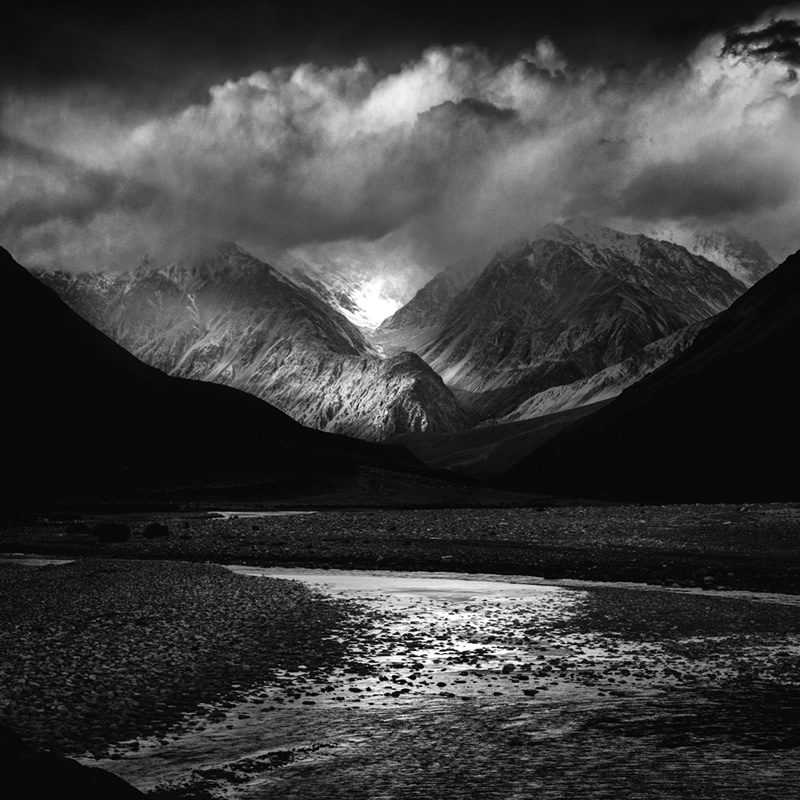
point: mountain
(717, 423)
(558, 308)
(743, 258)
(232, 319)
(85, 418)
(609, 382)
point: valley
(568, 318)
(400, 404)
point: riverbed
(471, 686)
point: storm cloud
(454, 152)
(779, 40)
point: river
(473, 687)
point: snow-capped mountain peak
(588, 236)
(743, 258)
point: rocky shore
(106, 651)
(507, 680)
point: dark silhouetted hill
(83, 417)
(719, 422)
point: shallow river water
(468, 687)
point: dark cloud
(20, 150)
(687, 28)
(87, 196)
(714, 186)
(448, 154)
(51, 187)
(777, 41)
(168, 53)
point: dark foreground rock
(28, 773)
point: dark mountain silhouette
(83, 417)
(719, 422)
(487, 451)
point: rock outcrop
(26, 773)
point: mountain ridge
(235, 320)
(744, 258)
(572, 301)
(609, 382)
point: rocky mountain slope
(487, 451)
(572, 301)
(718, 422)
(234, 320)
(609, 382)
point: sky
(403, 137)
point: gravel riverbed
(102, 651)
(138, 654)
(472, 686)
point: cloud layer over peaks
(452, 153)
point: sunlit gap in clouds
(452, 153)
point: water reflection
(473, 673)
